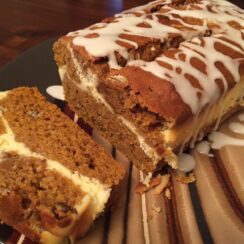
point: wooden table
(24, 23)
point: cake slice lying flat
(156, 78)
(54, 179)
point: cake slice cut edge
(45, 192)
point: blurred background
(24, 23)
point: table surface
(24, 23)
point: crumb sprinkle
(163, 184)
(186, 179)
(158, 184)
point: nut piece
(60, 210)
(33, 113)
(163, 184)
(142, 188)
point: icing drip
(186, 162)
(102, 39)
(204, 147)
(219, 140)
(56, 91)
(237, 127)
(216, 140)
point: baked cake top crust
(176, 56)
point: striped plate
(209, 210)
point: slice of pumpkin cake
(54, 179)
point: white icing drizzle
(219, 140)
(105, 36)
(186, 162)
(237, 127)
(56, 91)
(97, 193)
(210, 91)
(206, 53)
(204, 147)
(105, 44)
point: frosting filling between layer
(97, 192)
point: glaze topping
(206, 61)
